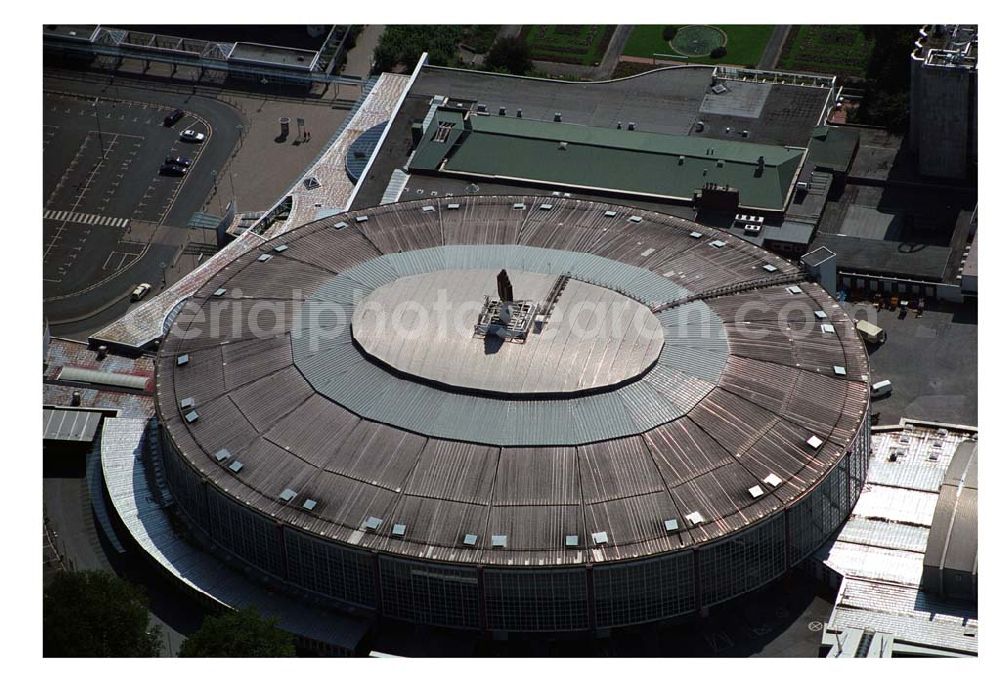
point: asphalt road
(95, 249)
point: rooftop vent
(839, 371)
(236, 466)
(557, 117)
(671, 525)
(680, 160)
(619, 125)
(309, 504)
(610, 213)
(340, 225)
(398, 530)
(572, 541)
(518, 205)
(264, 257)
(102, 352)
(427, 208)
(794, 289)
(470, 540)
(720, 163)
(821, 314)
(631, 126)
(600, 537)
(827, 328)
(647, 252)
(360, 219)
(280, 248)
(635, 219)
(221, 291)
(371, 523)
(696, 235)
(187, 403)
(287, 495)
(503, 111)
(718, 244)
(499, 541)
(545, 207)
(222, 454)
(814, 442)
(518, 112)
(191, 416)
(756, 491)
(769, 268)
(563, 145)
(772, 480)
(183, 359)
(745, 133)
(695, 517)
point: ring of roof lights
(687, 369)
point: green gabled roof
(660, 165)
(430, 153)
(833, 147)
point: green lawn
(744, 44)
(835, 50)
(584, 45)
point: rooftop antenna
(504, 288)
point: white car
(192, 136)
(141, 291)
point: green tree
(512, 54)
(401, 45)
(238, 634)
(96, 614)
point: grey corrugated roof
(70, 425)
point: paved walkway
(772, 52)
(359, 59)
(597, 73)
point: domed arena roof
(670, 384)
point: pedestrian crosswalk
(86, 219)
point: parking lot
(931, 361)
(101, 179)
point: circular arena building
(514, 414)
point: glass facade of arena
(430, 593)
(533, 600)
(522, 599)
(644, 591)
(319, 566)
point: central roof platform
(422, 325)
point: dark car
(177, 160)
(173, 170)
(173, 117)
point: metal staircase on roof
(735, 288)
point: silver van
(881, 389)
